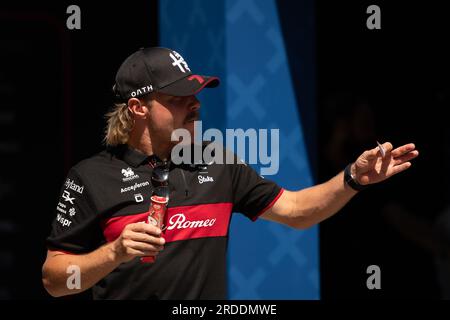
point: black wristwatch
(351, 181)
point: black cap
(158, 70)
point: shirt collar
(131, 156)
(135, 158)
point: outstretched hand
(371, 167)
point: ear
(137, 108)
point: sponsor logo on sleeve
(64, 222)
(72, 212)
(61, 207)
(70, 184)
(67, 198)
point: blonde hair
(120, 122)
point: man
(105, 199)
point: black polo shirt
(103, 194)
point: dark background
(55, 87)
(389, 84)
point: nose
(194, 103)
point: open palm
(371, 167)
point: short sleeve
(76, 227)
(252, 194)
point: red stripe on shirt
(183, 222)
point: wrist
(350, 178)
(113, 252)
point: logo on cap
(179, 62)
(141, 91)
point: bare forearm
(320, 202)
(304, 208)
(93, 267)
(136, 240)
(317, 203)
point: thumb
(375, 152)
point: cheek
(178, 116)
(161, 119)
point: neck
(144, 143)
(141, 144)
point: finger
(145, 237)
(406, 157)
(145, 227)
(400, 168)
(144, 247)
(376, 152)
(385, 161)
(387, 146)
(403, 149)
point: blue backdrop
(241, 41)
